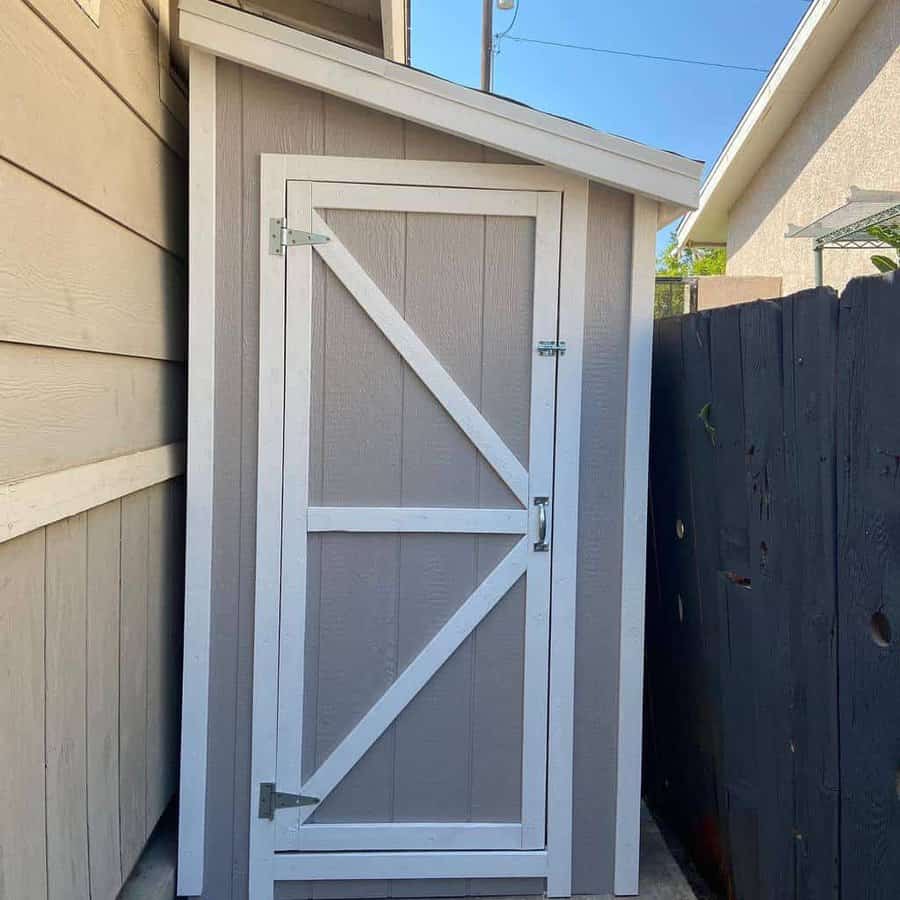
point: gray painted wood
(600, 537)
(164, 618)
(23, 825)
(66, 732)
(133, 680)
(103, 568)
(258, 114)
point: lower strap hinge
(281, 237)
(270, 800)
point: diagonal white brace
(408, 344)
(416, 675)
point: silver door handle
(541, 544)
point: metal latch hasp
(270, 800)
(551, 348)
(281, 237)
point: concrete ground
(660, 877)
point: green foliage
(690, 261)
(889, 235)
(884, 263)
(669, 299)
(704, 417)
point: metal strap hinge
(270, 800)
(551, 348)
(281, 237)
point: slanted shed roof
(431, 101)
(815, 43)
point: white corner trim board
(634, 547)
(430, 101)
(201, 399)
(561, 743)
(43, 499)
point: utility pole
(487, 40)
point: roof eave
(815, 43)
(430, 101)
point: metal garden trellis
(846, 228)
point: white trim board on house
(433, 102)
(812, 48)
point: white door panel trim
(421, 360)
(336, 866)
(412, 198)
(415, 676)
(416, 520)
(411, 836)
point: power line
(671, 59)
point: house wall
(260, 114)
(725, 290)
(845, 135)
(92, 348)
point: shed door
(418, 445)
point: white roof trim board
(815, 43)
(427, 100)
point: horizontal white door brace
(409, 836)
(421, 360)
(408, 520)
(415, 676)
(461, 864)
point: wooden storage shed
(418, 423)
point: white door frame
(294, 832)
(555, 862)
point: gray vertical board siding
(23, 824)
(66, 797)
(66, 729)
(164, 640)
(259, 113)
(133, 679)
(103, 568)
(600, 538)
(352, 629)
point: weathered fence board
(773, 727)
(869, 587)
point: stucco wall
(725, 290)
(847, 134)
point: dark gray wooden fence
(772, 735)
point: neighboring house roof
(419, 97)
(818, 39)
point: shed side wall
(844, 136)
(260, 114)
(92, 348)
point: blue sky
(688, 109)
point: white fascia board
(430, 101)
(805, 60)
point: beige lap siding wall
(92, 351)
(846, 134)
